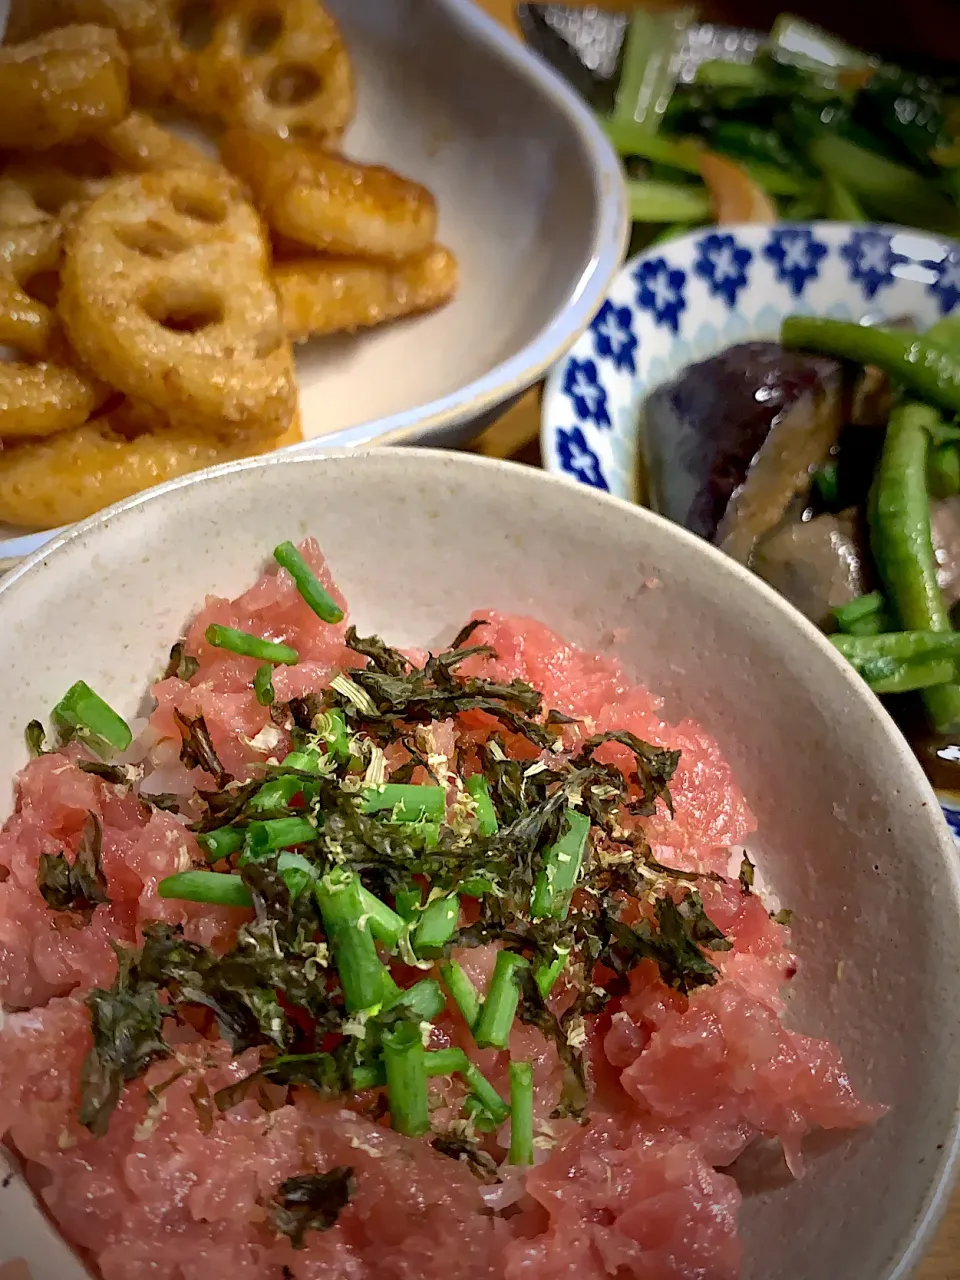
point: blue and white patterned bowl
(685, 300)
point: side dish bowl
(849, 834)
(531, 201)
(686, 300)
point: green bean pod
(902, 546)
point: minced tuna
(671, 1056)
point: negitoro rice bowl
(359, 960)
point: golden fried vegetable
(338, 295)
(42, 189)
(44, 398)
(46, 483)
(281, 66)
(139, 145)
(28, 254)
(165, 294)
(328, 203)
(59, 182)
(63, 86)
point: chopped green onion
(385, 925)
(278, 793)
(86, 713)
(404, 1059)
(462, 990)
(842, 204)
(437, 924)
(305, 761)
(521, 1113)
(247, 646)
(478, 1115)
(221, 843)
(406, 803)
(441, 1062)
(492, 1028)
(296, 871)
(479, 789)
(557, 877)
(311, 590)
(424, 1000)
(332, 728)
(362, 974)
(277, 833)
(546, 975)
(263, 685)
(407, 903)
(206, 886)
(486, 1094)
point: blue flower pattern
(582, 384)
(946, 287)
(796, 257)
(660, 289)
(722, 263)
(871, 259)
(614, 337)
(578, 460)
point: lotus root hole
(43, 287)
(152, 239)
(202, 206)
(195, 24)
(293, 84)
(263, 32)
(185, 314)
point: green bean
(887, 676)
(902, 645)
(902, 546)
(858, 610)
(922, 366)
(943, 470)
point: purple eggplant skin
(702, 434)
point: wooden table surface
(513, 434)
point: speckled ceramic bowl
(849, 835)
(531, 200)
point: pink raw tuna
(45, 953)
(221, 689)
(711, 812)
(176, 1191)
(630, 1203)
(722, 1068)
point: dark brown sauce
(938, 753)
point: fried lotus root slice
(65, 85)
(165, 294)
(281, 67)
(339, 295)
(28, 256)
(139, 145)
(326, 202)
(45, 398)
(46, 483)
(58, 183)
(44, 189)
